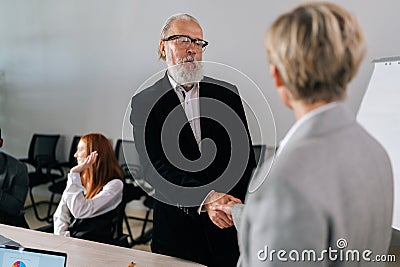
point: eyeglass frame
(192, 40)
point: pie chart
(19, 264)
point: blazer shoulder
(151, 90)
(220, 83)
(14, 164)
(153, 93)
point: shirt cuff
(74, 178)
(202, 208)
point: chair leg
(34, 206)
(145, 236)
(132, 243)
(145, 223)
(49, 214)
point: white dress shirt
(191, 104)
(73, 202)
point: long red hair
(106, 167)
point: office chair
(58, 187)
(42, 157)
(71, 159)
(119, 238)
(259, 153)
(126, 153)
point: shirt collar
(177, 87)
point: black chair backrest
(259, 152)
(42, 150)
(71, 159)
(128, 158)
(126, 153)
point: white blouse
(73, 202)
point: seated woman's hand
(86, 163)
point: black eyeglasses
(184, 41)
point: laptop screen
(11, 256)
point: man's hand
(218, 217)
(225, 208)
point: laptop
(14, 256)
(6, 241)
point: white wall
(71, 67)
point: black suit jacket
(14, 183)
(160, 125)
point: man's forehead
(186, 27)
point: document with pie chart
(19, 264)
(16, 259)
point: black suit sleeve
(15, 187)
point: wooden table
(82, 253)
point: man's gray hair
(167, 26)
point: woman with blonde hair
(329, 174)
(93, 193)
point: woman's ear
(284, 94)
(276, 76)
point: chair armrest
(47, 228)
(131, 170)
(66, 164)
(27, 161)
(44, 162)
(56, 166)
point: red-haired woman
(93, 193)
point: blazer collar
(323, 123)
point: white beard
(187, 71)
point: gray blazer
(331, 186)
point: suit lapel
(205, 93)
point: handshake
(219, 208)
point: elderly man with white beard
(193, 141)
